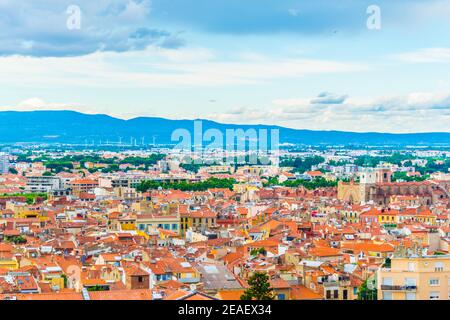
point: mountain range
(78, 128)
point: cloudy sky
(302, 64)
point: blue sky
(301, 64)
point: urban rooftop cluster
(319, 224)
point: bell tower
(367, 181)
(383, 175)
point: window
(411, 266)
(410, 282)
(345, 295)
(387, 295)
(281, 296)
(433, 282)
(387, 281)
(336, 294)
(434, 295)
(439, 266)
(174, 226)
(140, 279)
(328, 295)
(410, 296)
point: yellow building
(415, 278)
(426, 217)
(9, 263)
(18, 209)
(145, 222)
(242, 187)
(127, 223)
(388, 217)
(197, 220)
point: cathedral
(375, 186)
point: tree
(12, 170)
(186, 186)
(259, 288)
(387, 263)
(300, 164)
(255, 252)
(17, 239)
(367, 291)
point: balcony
(331, 283)
(328, 284)
(398, 288)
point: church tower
(367, 181)
(383, 175)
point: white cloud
(36, 103)
(429, 55)
(415, 112)
(158, 67)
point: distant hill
(74, 127)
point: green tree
(364, 293)
(300, 164)
(66, 280)
(259, 288)
(186, 186)
(255, 252)
(16, 239)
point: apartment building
(83, 185)
(415, 278)
(43, 183)
(4, 162)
